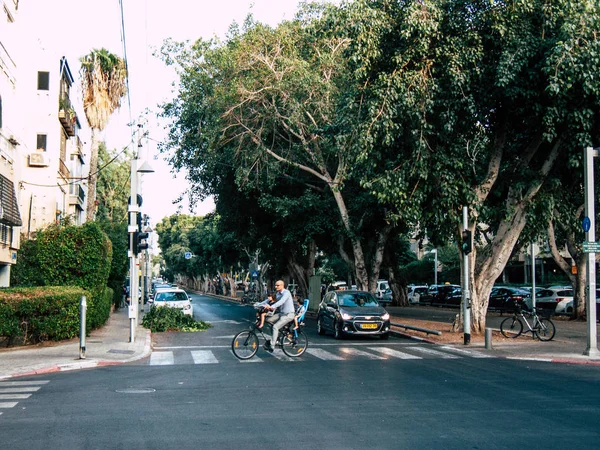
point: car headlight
(386, 316)
(346, 316)
(187, 307)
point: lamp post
(435, 264)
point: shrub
(171, 319)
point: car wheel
(570, 309)
(320, 328)
(337, 331)
(384, 337)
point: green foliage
(27, 270)
(43, 313)
(75, 256)
(160, 319)
(112, 188)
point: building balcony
(77, 197)
(67, 116)
(63, 169)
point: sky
(90, 24)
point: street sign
(591, 247)
(586, 223)
(188, 255)
(254, 274)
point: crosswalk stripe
(13, 396)
(429, 351)
(8, 404)
(323, 354)
(23, 383)
(253, 359)
(357, 352)
(278, 353)
(203, 357)
(462, 351)
(18, 389)
(161, 358)
(394, 353)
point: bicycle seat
(306, 302)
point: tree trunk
(92, 177)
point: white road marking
(13, 396)
(357, 352)
(8, 404)
(462, 351)
(323, 354)
(161, 358)
(394, 353)
(23, 383)
(18, 389)
(429, 351)
(253, 359)
(278, 353)
(203, 357)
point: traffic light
(140, 241)
(467, 242)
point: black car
(437, 294)
(503, 299)
(352, 313)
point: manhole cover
(135, 390)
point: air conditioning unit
(37, 160)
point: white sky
(79, 26)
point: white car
(173, 298)
(566, 306)
(382, 286)
(414, 293)
(549, 299)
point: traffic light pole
(466, 290)
(132, 229)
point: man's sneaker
(268, 347)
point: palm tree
(104, 84)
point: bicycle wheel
(511, 327)
(545, 329)
(294, 347)
(244, 344)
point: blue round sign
(188, 255)
(586, 223)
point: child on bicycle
(299, 311)
(262, 312)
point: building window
(43, 81)
(42, 142)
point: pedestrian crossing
(12, 392)
(216, 354)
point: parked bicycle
(542, 328)
(293, 342)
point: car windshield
(171, 296)
(357, 300)
(420, 290)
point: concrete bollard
(488, 338)
(83, 308)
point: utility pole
(589, 226)
(466, 300)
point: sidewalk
(106, 346)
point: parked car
(454, 297)
(386, 298)
(382, 286)
(548, 299)
(436, 294)
(158, 286)
(415, 292)
(173, 298)
(503, 298)
(353, 313)
(338, 286)
(566, 306)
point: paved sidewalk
(106, 346)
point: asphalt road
(354, 403)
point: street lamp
(435, 264)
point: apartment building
(42, 160)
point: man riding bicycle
(286, 313)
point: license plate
(368, 326)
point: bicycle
(293, 342)
(512, 327)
